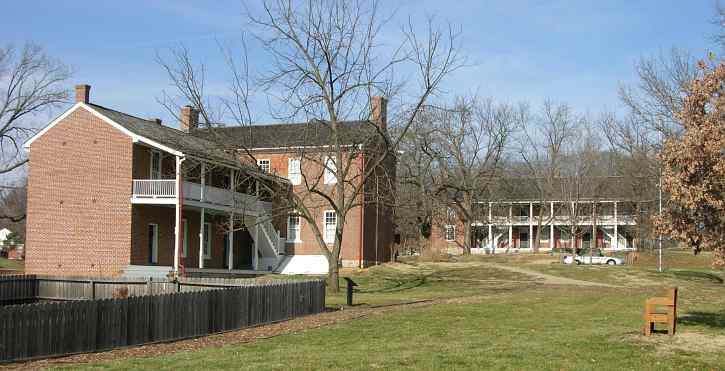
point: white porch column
(490, 228)
(230, 250)
(255, 249)
(531, 224)
(177, 219)
(511, 226)
(552, 242)
(203, 182)
(615, 238)
(202, 237)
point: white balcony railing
(166, 188)
(154, 188)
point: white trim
(269, 165)
(298, 175)
(294, 147)
(329, 176)
(452, 227)
(298, 238)
(50, 126)
(134, 137)
(324, 226)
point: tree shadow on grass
(398, 282)
(696, 276)
(710, 319)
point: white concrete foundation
(303, 264)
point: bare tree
(653, 103)
(582, 181)
(30, 83)
(467, 146)
(543, 144)
(13, 205)
(327, 64)
(414, 207)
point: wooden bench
(661, 310)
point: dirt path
(548, 278)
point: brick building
(112, 194)
(511, 221)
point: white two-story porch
(192, 216)
(515, 224)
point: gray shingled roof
(313, 133)
(176, 139)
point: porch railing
(166, 188)
(154, 188)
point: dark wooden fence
(58, 328)
(22, 288)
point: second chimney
(83, 93)
(189, 119)
(379, 111)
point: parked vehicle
(596, 258)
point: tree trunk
(539, 223)
(333, 275)
(467, 238)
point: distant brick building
(113, 194)
(512, 222)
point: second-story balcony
(163, 191)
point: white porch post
(552, 241)
(230, 250)
(490, 228)
(615, 238)
(203, 182)
(511, 226)
(255, 249)
(531, 223)
(202, 236)
(177, 218)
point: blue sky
(571, 51)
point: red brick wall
(317, 206)
(79, 185)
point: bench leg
(671, 326)
(648, 327)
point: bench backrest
(672, 295)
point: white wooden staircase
(270, 244)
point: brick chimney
(379, 111)
(83, 93)
(189, 119)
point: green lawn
(11, 264)
(496, 320)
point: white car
(596, 259)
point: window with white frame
(155, 168)
(207, 241)
(294, 171)
(330, 226)
(330, 175)
(185, 249)
(264, 165)
(450, 233)
(293, 228)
